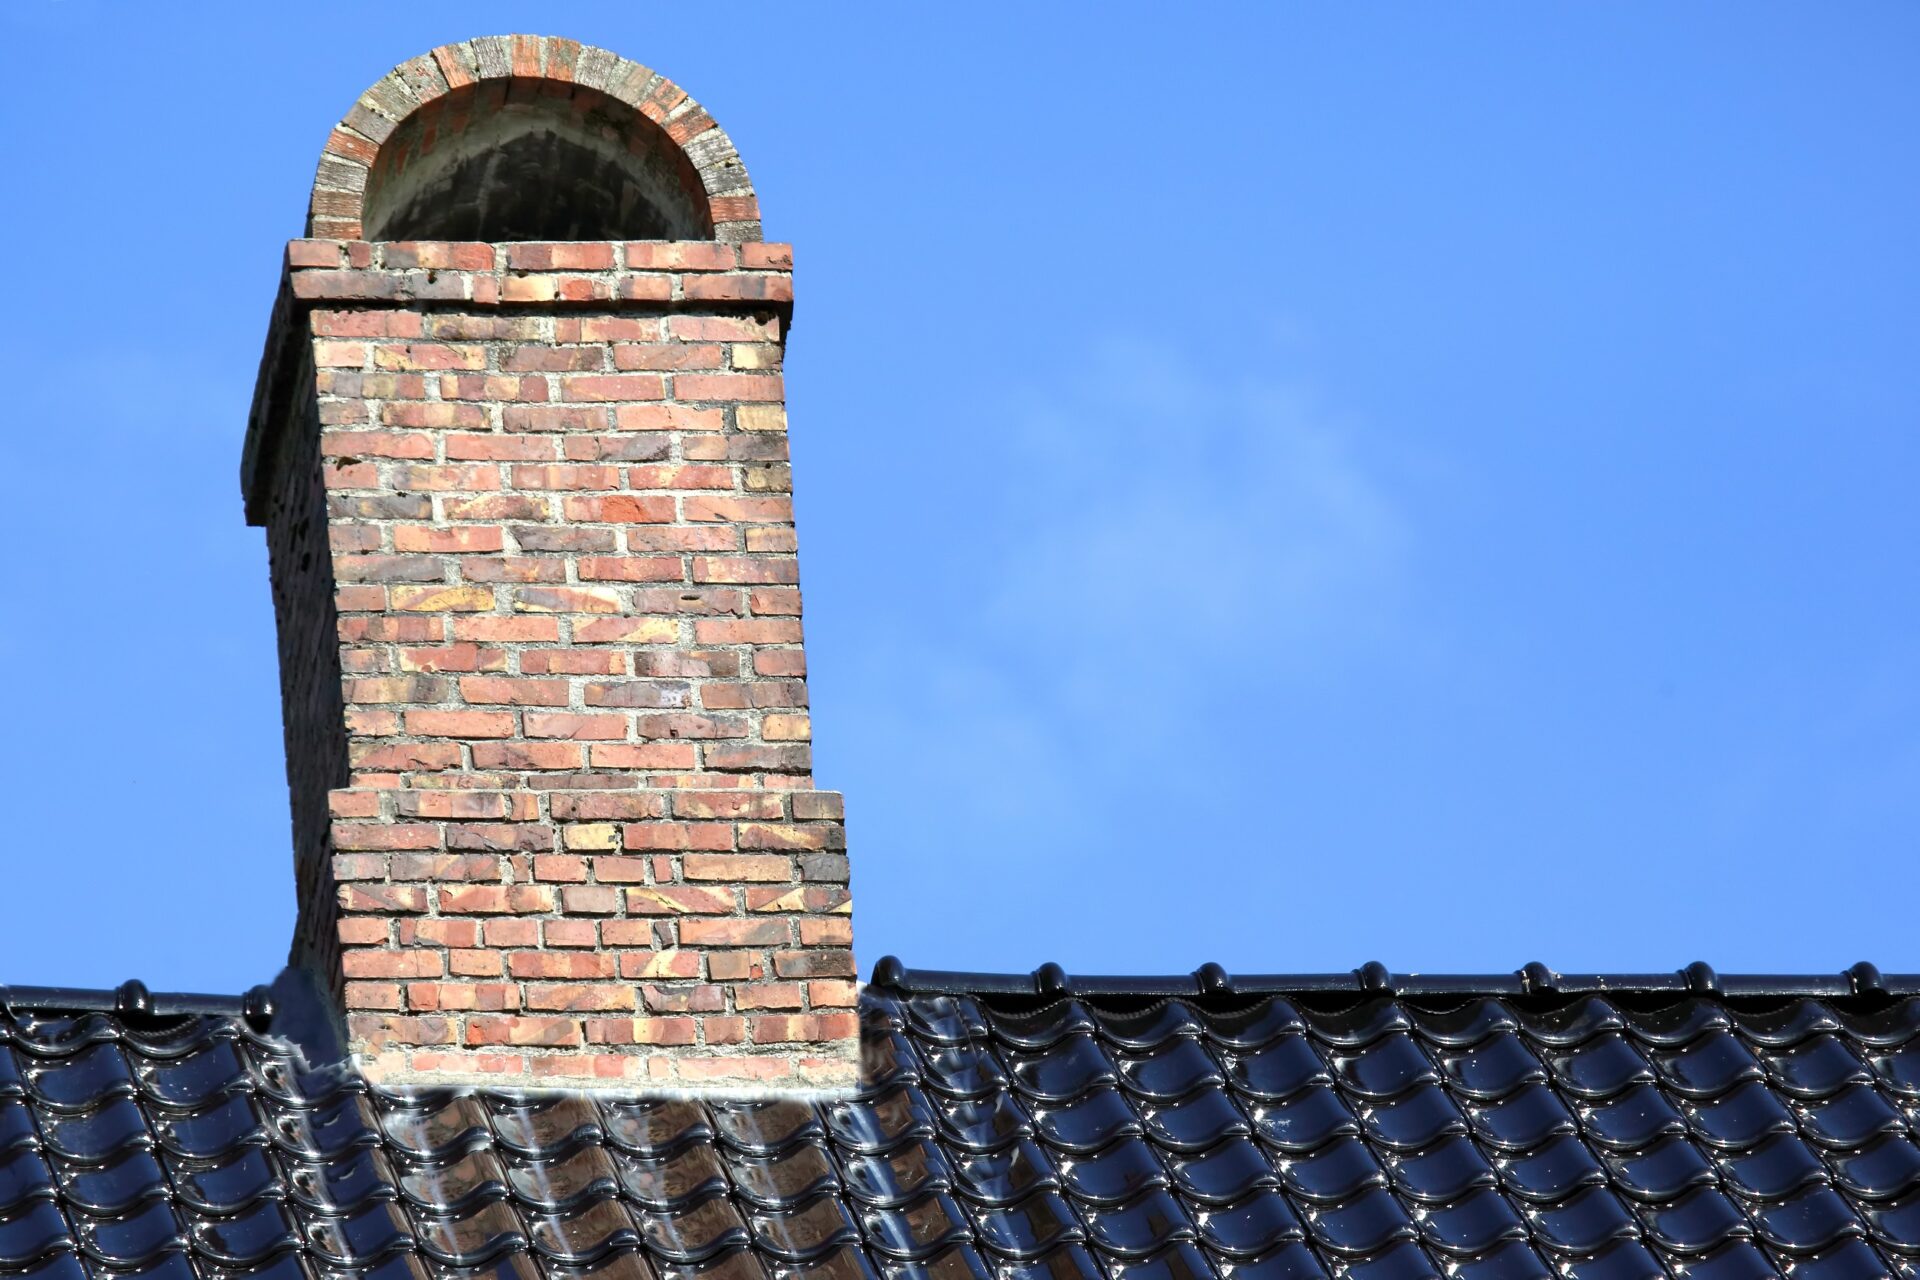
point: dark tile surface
(1620, 1137)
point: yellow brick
(787, 728)
(592, 835)
(442, 599)
(760, 417)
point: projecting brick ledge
(422, 276)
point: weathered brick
(415, 963)
(704, 931)
(544, 1032)
(579, 997)
(677, 899)
(775, 1029)
(560, 964)
(494, 899)
(641, 1031)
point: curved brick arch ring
(428, 101)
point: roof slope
(1605, 1136)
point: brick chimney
(519, 445)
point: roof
(1029, 1128)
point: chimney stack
(519, 445)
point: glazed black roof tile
(1698, 1128)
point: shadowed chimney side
(519, 446)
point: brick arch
(397, 123)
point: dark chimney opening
(512, 165)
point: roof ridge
(257, 1006)
(1863, 979)
(132, 999)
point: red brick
(385, 900)
(496, 899)
(675, 899)
(516, 630)
(553, 418)
(382, 835)
(623, 508)
(745, 569)
(599, 388)
(734, 966)
(680, 998)
(414, 963)
(513, 691)
(606, 806)
(567, 600)
(440, 933)
(732, 804)
(499, 837)
(454, 657)
(768, 287)
(432, 540)
(570, 933)
(726, 386)
(649, 755)
(629, 569)
(747, 631)
(668, 417)
(373, 995)
(652, 1031)
(590, 899)
(814, 964)
(708, 931)
(739, 868)
(500, 448)
(579, 997)
(667, 356)
(654, 964)
(655, 255)
(560, 867)
(502, 387)
(775, 1029)
(686, 725)
(677, 835)
(830, 932)
(361, 931)
(511, 933)
(526, 755)
(547, 1032)
(460, 724)
(440, 867)
(560, 964)
(564, 256)
(379, 1031)
(769, 995)
(475, 964)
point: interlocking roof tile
(1091, 1134)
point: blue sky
(1290, 486)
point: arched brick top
(401, 115)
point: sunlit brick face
(529, 512)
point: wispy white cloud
(1156, 509)
(1147, 539)
(1156, 555)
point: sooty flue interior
(537, 184)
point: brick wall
(313, 716)
(536, 579)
